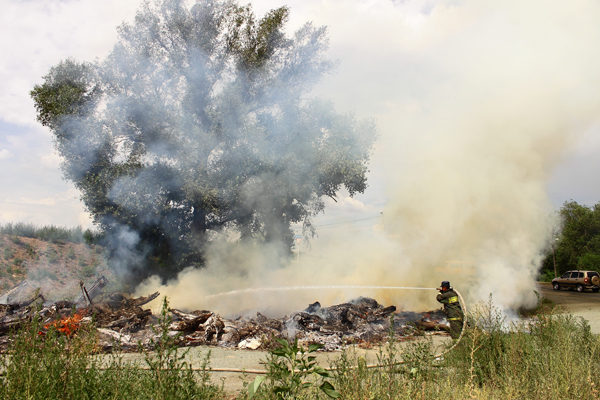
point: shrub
(293, 371)
(8, 253)
(87, 271)
(57, 366)
(51, 233)
(51, 254)
(16, 240)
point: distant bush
(51, 233)
(8, 253)
(545, 276)
(589, 262)
(52, 254)
(71, 254)
(41, 274)
(16, 240)
(30, 251)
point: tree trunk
(199, 221)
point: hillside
(56, 267)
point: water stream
(288, 288)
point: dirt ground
(254, 359)
(586, 304)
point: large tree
(199, 120)
(576, 244)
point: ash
(122, 323)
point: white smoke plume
(486, 99)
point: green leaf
(279, 352)
(253, 388)
(321, 371)
(281, 389)
(314, 347)
(329, 390)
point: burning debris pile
(121, 321)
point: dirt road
(586, 304)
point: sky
(373, 40)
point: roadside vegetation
(51, 365)
(575, 243)
(547, 357)
(50, 233)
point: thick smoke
(487, 99)
(198, 126)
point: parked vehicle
(579, 280)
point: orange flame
(67, 325)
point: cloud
(5, 154)
(37, 34)
(52, 160)
(23, 200)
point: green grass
(51, 254)
(87, 270)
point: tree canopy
(577, 243)
(200, 121)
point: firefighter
(452, 309)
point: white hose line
(289, 288)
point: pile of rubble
(121, 320)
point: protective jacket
(452, 308)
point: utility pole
(554, 258)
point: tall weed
(57, 366)
(552, 356)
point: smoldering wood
(95, 290)
(85, 294)
(123, 324)
(140, 301)
(14, 291)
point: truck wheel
(595, 290)
(556, 286)
(580, 288)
